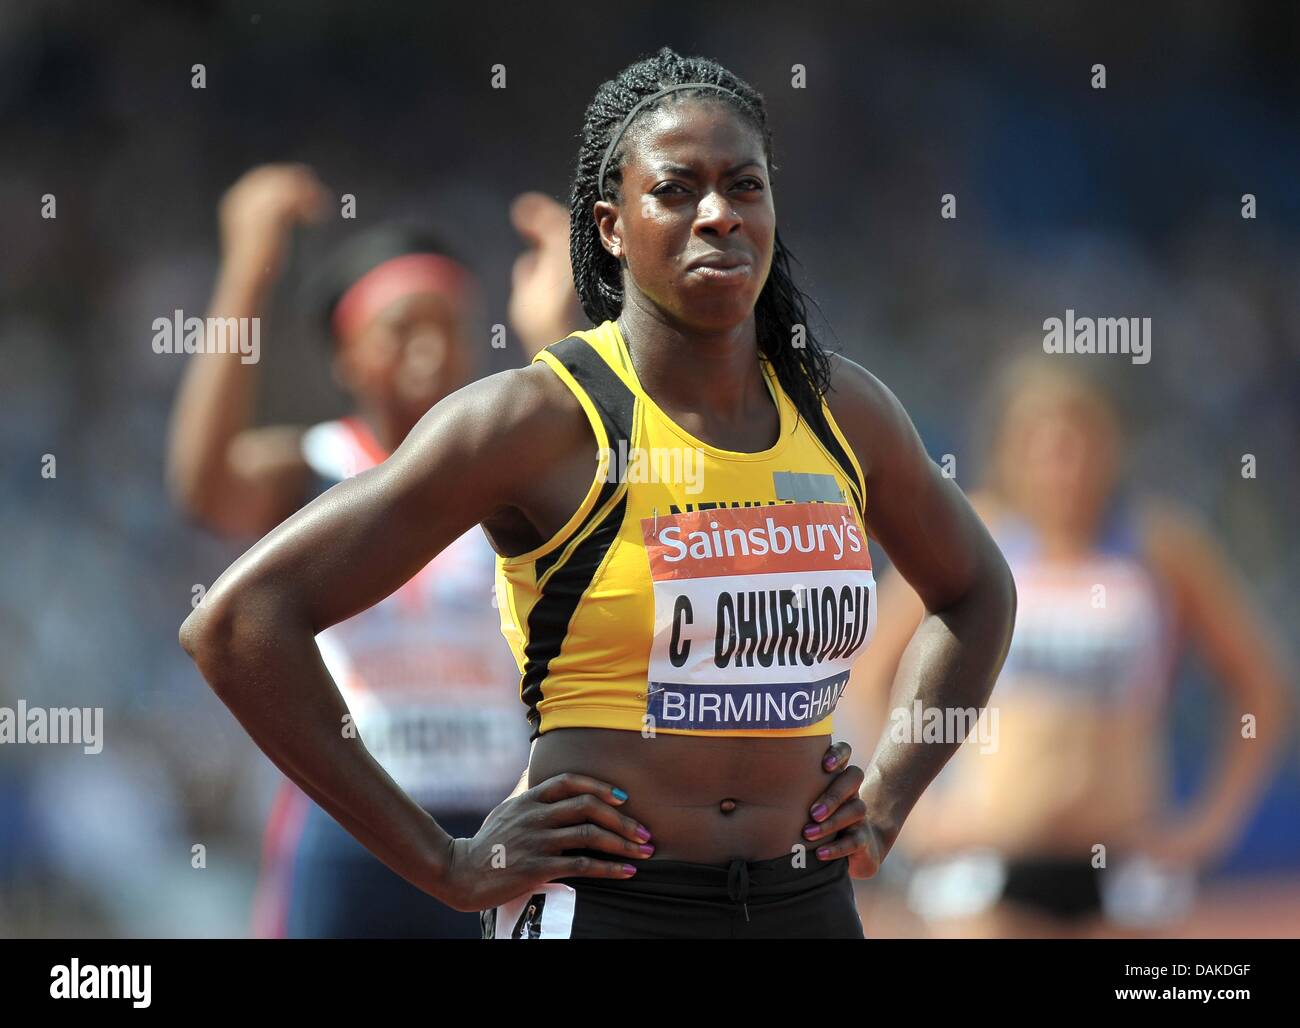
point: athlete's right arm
(235, 479)
(479, 453)
(932, 826)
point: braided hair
(803, 371)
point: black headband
(609, 152)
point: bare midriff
(705, 800)
(1061, 779)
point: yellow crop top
(696, 590)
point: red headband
(396, 278)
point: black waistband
(738, 880)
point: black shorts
(674, 899)
(1132, 890)
(967, 884)
(1060, 888)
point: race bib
(760, 613)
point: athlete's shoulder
(866, 410)
(587, 352)
(1170, 533)
(483, 449)
(526, 404)
(856, 391)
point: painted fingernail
(829, 763)
(812, 831)
(628, 869)
(819, 811)
(824, 852)
(620, 795)
(646, 850)
(643, 833)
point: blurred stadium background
(1126, 199)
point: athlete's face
(1060, 456)
(406, 358)
(695, 187)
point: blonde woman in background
(1054, 818)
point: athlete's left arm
(1217, 615)
(941, 548)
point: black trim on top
(614, 403)
(822, 429)
(548, 621)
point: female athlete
(423, 672)
(685, 599)
(1055, 821)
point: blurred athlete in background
(426, 674)
(1112, 588)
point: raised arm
(237, 480)
(940, 547)
(253, 638)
